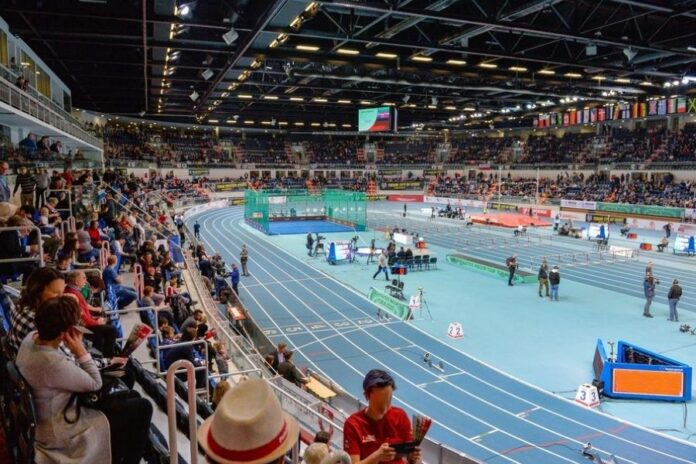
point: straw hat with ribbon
(248, 426)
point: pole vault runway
(475, 408)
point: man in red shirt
(369, 433)
(103, 334)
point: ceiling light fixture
(389, 56)
(488, 65)
(344, 102)
(245, 96)
(456, 62)
(307, 48)
(573, 75)
(424, 59)
(347, 51)
(517, 68)
(622, 80)
(270, 97)
(296, 99)
(230, 36)
(320, 100)
(547, 72)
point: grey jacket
(53, 378)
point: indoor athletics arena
(347, 231)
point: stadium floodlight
(230, 36)
(183, 10)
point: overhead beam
(543, 60)
(248, 41)
(509, 26)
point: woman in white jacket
(53, 378)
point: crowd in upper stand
(657, 189)
(613, 145)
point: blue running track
(476, 408)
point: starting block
(587, 395)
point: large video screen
(375, 119)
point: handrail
(181, 364)
(23, 101)
(38, 258)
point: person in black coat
(310, 243)
(554, 280)
(511, 264)
(290, 372)
(544, 277)
(673, 296)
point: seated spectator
(290, 372)
(44, 144)
(86, 252)
(64, 433)
(125, 294)
(250, 423)
(315, 453)
(663, 244)
(42, 285)
(625, 229)
(220, 389)
(103, 334)
(29, 145)
(184, 350)
(18, 244)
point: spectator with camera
(384, 424)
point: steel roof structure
(295, 60)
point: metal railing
(50, 114)
(20, 229)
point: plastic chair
(426, 261)
(433, 262)
(22, 416)
(418, 262)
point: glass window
(4, 51)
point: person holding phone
(380, 433)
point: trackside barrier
(179, 366)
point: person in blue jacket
(234, 277)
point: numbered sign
(587, 395)
(454, 330)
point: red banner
(406, 198)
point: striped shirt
(27, 182)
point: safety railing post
(171, 410)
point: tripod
(423, 303)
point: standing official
(511, 264)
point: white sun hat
(248, 426)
